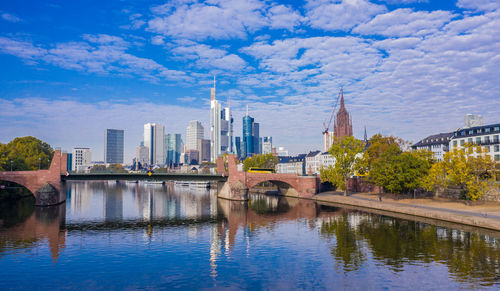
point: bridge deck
(143, 177)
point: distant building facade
(173, 148)
(438, 144)
(221, 128)
(194, 133)
(204, 150)
(82, 159)
(250, 136)
(473, 120)
(487, 136)
(113, 146)
(154, 140)
(291, 165)
(141, 154)
(267, 145)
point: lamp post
(39, 163)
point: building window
(497, 157)
(478, 140)
(487, 130)
(495, 138)
(497, 148)
(479, 130)
(462, 142)
(497, 128)
(486, 139)
(454, 143)
(487, 148)
(469, 140)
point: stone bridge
(44, 184)
(238, 183)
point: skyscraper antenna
(214, 82)
(247, 109)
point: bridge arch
(286, 188)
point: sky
(410, 68)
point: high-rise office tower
(267, 145)
(154, 140)
(141, 154)
(237, 146)
(221, 128)
(173, 148)
(204, 150)
(250, 136)
(194, 132)
(113, 146)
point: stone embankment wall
(455, 193)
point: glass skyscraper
(113, 146)
(173, 144)
(250, 136)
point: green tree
(26, 153)
(267, 161)
(398, 171)
(116, 168)
(346, 152)
(470, 169)
(98, 169)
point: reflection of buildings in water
(79, 196)
(113, 203)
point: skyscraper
(267, 145)
(194, 132)
(141, 154)
(173, 148)
(204, 150)
(221, 128)
(343, 123)
(250, 136)
(154, 140)
(113, 146)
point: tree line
(388, 163)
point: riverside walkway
(485, 215)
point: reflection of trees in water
(348, 246)
(264, 204)
(470, 257)
(16, 211)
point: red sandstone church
(342, 125)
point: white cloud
(282, 16)
(340, 15)
(10, 17)
(405, 22)
(103, 54)
(207, 57)
(216, 19)
(480, 5)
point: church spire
(342, 98)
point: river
(115, 236)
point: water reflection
(356, 241)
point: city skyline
(422, 64)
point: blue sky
(411, 68)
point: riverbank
(485, 214)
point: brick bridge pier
(44, 184)
(238, 183)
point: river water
(115, 236)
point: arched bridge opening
(280, 187)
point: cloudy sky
(409, 68)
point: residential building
(82, 159)
(313, 162)
(173, 148)
(113, 146)
(487, 136)
(194, 133)
(141, 154)
(291, 165)
(438, 144)
(473, 120)
(221, 128)
(267, 145)
(343, 122)
(204, 150)
(154, 140)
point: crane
(326, 127)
